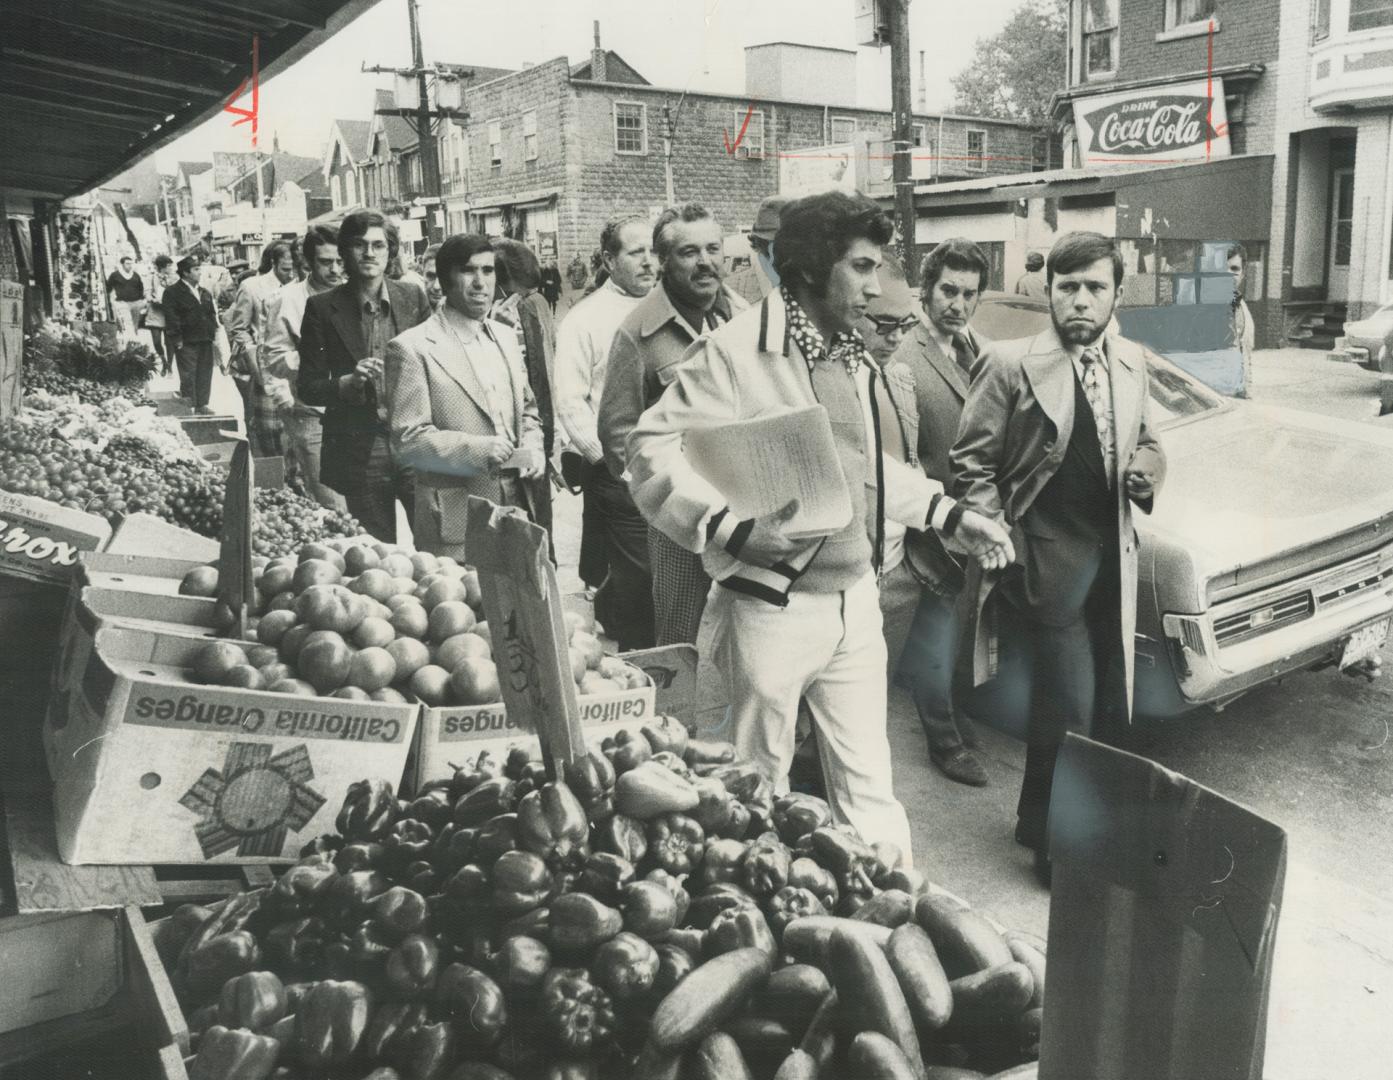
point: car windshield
(1175, 395)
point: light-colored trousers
(829, 648)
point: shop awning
(88, 88)
(520, 200)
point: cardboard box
(1163, 920)
(450, 734)
(149, 768)
(151, 536)
(150, 574)
(40, 540)
(11, 347)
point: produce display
(61, 360)
(656, 913)
(116, 457)
(362, 619)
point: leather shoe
(1043, 866)
(960, 765)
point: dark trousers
(624, 603)
(1069, 678)
(196, 372)
(926, 669)
(385, 484)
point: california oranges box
(155, 574)
(151, 768)
(451, 734)
(40, 540)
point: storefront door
(1341, 232)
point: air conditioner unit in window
(748, 152)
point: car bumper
(1209, 672)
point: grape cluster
(283, 520)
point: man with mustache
(1054, 445)
(941, 352)
(688, 302)
(342, 342)
(614, 536)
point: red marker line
(738, 138)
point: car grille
(1375, 579)
(1232, 629)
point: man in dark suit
(191, 325)
(342, 342)
(939, 353)
(1054, 443)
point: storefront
(1169, 219)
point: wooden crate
(92, 981)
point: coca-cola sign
(1172, 123)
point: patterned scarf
(846, 346)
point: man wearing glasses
(940, 353)
(342, 341)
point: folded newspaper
(760, 464)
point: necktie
(1095, 388)
(963, 354)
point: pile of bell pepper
(655, 912)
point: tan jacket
(1013, 436)
(441, 426)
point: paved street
(1313, 753)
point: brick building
(550, 152)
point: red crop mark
(1209, 93)
(255, 80)
(725, 135)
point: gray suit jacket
(940, 388)
(441, 425)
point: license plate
(1364, 643)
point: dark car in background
(1270, 549)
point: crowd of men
(992, 484)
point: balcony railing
(1353, 70)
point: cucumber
(718, 1058)
(966, 942)
(792, 994)
(874, 1057)
(763, 1042)
(799, 1065)
(706, 997)
(807, 939)
(1026, 953)
(995, 996)
(870, 995)
(915, 962)
(892, 908)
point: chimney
(599, 66)
(922, 104)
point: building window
(843, 129)
(1039, 153)
(976, 149)
(496, 144)
(529, 136)
(350, 189)
(919, 134)
(752, 145)
(1370, 14)
(1099, 37)
(1320, 20)
(630, 128)
(1188, 12)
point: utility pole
(422, 115)
(668, 132)
(901, 89)
(429, 148)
